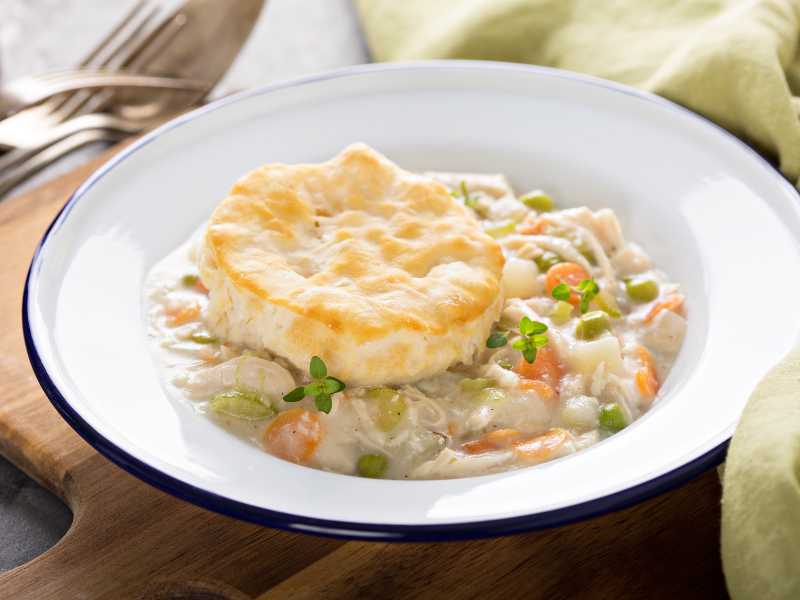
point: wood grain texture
(129, 540)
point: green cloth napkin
(734, 61)
(737, 63)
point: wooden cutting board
(129, 540)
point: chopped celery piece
(490, 396)
(561, 312)
(372, 465)
(546, 260)
(498, 231)
(203, 338)
(642, 289)
(606, 302)
(505, 364)
(591, 325)
(190, 279)
(538, 200)
(612, 418)
(476, 385)
(241, 404)
(390, 405)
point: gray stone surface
(292, 38)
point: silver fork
(11, 179)
(28, 134)
(124, 47)
(29, 91)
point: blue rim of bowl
(354, 530)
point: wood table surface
(129, 540)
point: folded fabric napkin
(737, 63)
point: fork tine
(131, 44)
(106, 42)
(107, 46)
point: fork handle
(14, 177)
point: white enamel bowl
(712, 213)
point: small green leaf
(317, 368)
(331, 385)
(312, 389)
(538, 327)
(323, 402)
(526, 326)
(496, 340)
(529, 353)
(540, 340)
(295, 395)
(561, 292)
(519, 344)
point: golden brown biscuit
(377, 270)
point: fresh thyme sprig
(322, 386)
(586, 290)
(533, 338)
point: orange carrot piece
(533, 226)
(294, 435)
(183, 314)
(545, 368)
(540, 388)
(493, 440)
(566, 272)
(542, 447)
(646, 378)
(200, 287)
(672, 302)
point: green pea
(642, 289)
(591, 325)
(561, 312)
(612, 418)
(372, 465)
(546, 260)
(476, 385)
(190, 279)
(241, 404)
(538, 200)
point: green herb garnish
(586, 290)
(532, 338)
(469, 201)
(322, 386)
(498, 339)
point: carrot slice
(493, 440)
(672, 302)
(532, 226)
(646, 378)
(566, 272)
(542, 447)
(545, 368)
(294, 435)
(542, 389)
(180, 315)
